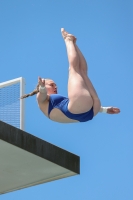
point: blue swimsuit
(60, 102)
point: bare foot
(66, 35)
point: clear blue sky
(31, 45)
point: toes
(66, 34)
(62, 29)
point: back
(51, 108)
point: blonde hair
(34, 91)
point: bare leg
(84, 68)
(78, 92)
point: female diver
(82, 103)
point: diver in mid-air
(82, 103)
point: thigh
(94, 95)
(80, 99)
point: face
(50, 86)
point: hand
(113, 110)
(41, 81)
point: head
(50, 87)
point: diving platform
(26, 160)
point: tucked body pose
(82, 103)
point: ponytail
(32, 93)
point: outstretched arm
(109, 110)
(42, 94)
